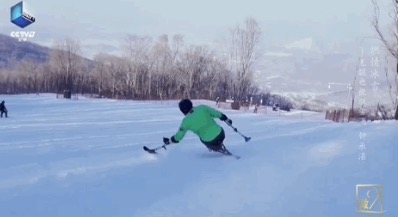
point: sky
(57, 158)
(102, 25)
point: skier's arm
(217, 114)
(214, 113)
(180, 133)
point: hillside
(12, 52)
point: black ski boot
(224, 150)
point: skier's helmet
(185, 106)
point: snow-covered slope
(84, 158)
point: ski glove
(166, 141)
(226, 119)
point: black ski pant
(217, 143)
(4, 112)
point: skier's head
(185, 106)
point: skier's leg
(218, 146)
(211, 146)
(220, 141)
(217, 143)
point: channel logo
(20, 17)
(370, 199)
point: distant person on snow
(3, 109)
(275, 107)
(200, 120)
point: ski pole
(236, 130)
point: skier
(3, 109)
(275, 107)
(200, 120)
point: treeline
(161, 68)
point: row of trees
(161, 68)
(389, 38)
(167, 67)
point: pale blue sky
(101, 25)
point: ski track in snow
(84, 158)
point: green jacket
(201, 122)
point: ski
(226, 152)
(223, 151)
(237, 157)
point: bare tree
(165, 55)
(137, 56)
(193, 68)
(100, 73)
(161, 54)
(66, 63)
(388, 38)
(48, 83)
(29, 72)
(242, 49)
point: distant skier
(200, 120)
(3, 109)
(275, 107)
